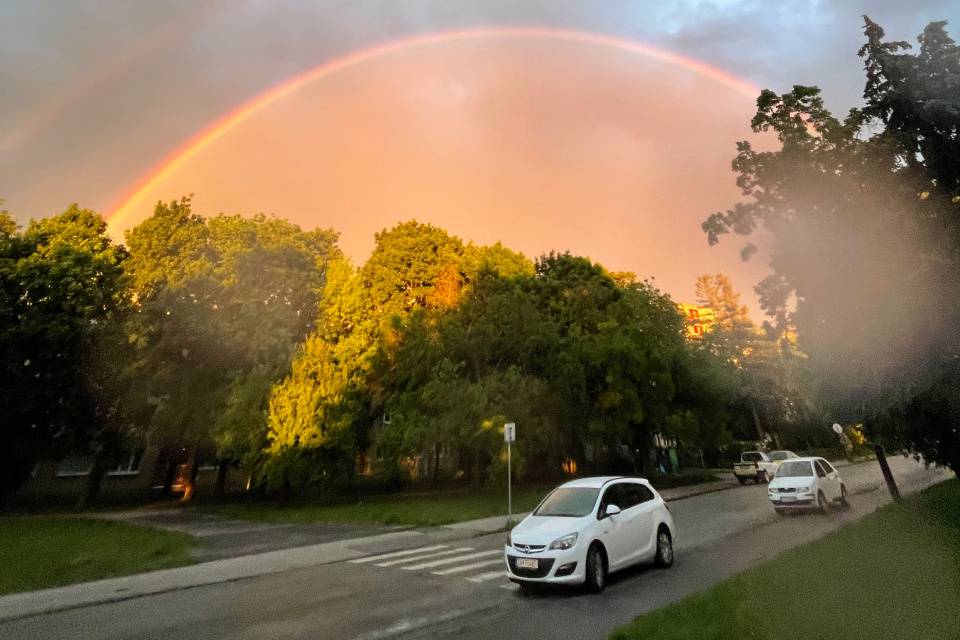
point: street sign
(837, 428)
(509, 432)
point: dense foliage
(865, 212)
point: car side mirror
(612, 510)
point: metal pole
(887, 475)
(509, 487)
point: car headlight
(771, 490)
(510, 539)
(803, 490)
(564, 543)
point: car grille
(787, 490)
(543, 568)
(529, 548)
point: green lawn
(402, 509)
(46, 551)
(894, 574)
(415, 509)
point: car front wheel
(596, 570)
(822, 506)
(664, 557)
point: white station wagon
(587, 528)
(806, 483)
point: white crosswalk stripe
(469, 567)
(483, 577)
(459, 563)
(397, 554)
(439, 563)
(393, 563)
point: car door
(644, 522)
(823, 481)
(833, 478)
(615, 530)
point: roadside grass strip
(402, 510)
(894, 574)
(49, 551)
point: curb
(29, 604)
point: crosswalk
(474, 565)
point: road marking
(483, 577)
(437, 563)
(397, 554)
(475, 565)
(513, 586)
(423, 557)
(407, 625)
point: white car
(588, 528)
(780, 456)
(806, 483)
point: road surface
(457, 588)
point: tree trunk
(91, 487)
(436, 463)
(220, 488)
(756, 421)
(169, 478)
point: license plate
(527, 563)
(788, 498)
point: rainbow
(123, 211)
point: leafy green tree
(865, 215)
(62, 289)
(222, 305)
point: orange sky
(541, 144)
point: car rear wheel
(742, 480)
(664, 557)
(596, 570)
(822, 506)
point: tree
(866, 225)
(222, 305)
(717, 293)
(62, 290)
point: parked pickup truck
(756, 466)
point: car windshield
(795, 469)
(572, 502)
(752, 457)
(778, 455)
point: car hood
(792, 482)
(545, 529)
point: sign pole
(509, 434)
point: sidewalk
(352, 545)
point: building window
(80, 464)
(129, 464)
(75, 464)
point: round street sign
(837, 428)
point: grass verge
(893, 574)
(48, 551)
(400, 509)
(413, 509)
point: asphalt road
(456, 588)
